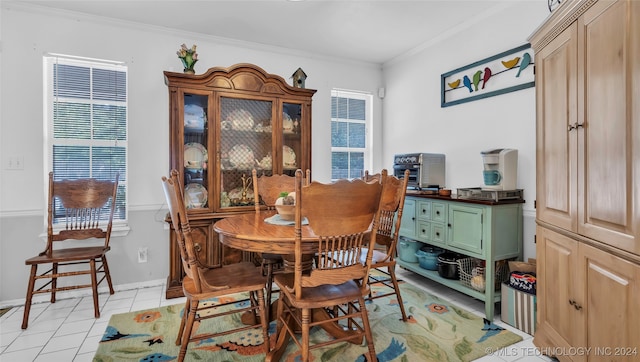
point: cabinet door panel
(465, 228)
(408, 223)
(438, 234)
(438, 212)
(423, 210)
(612, 297)
(556, 144)
(423, 231)
(558, 291)
(606, 210)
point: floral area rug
(436, 331)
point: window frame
(368, 121)
(120, 225)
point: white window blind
(86, 121)
(350, 147)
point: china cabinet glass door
(196, 155)
(246, 142)
(291, 140)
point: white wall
(411, 120)
(415, 122)
(29, 33)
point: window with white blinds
(86, 121)
(350, 147)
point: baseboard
(80, 293)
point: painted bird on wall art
(526, 60)
(467, 83)
(487, 75)
(476, 79)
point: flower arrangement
(189, 57)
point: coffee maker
(500, 169)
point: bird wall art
(505, 72)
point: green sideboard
(487, 230)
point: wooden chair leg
(27, 303)
(264, 319)
(396, 289)
(107, 274)
(94, 287)
(269, 287)
(306, 319)
(54, 282)
(183, 321)
(367, 331)
(193, 308)
(283, 325)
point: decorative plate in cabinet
(194, 155)
(287, 123)
(288, 157)
(241, 157)
(195, 196)
(240, 120)
(194, 117)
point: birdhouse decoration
(298, 78)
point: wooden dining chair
(340, 214)
(370, 177)
(266, 190)
(204, 282)
(78, 211)
(389, 221)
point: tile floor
(67, 330)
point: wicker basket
(472, 274)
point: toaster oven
(426, 170)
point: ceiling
(372, 31)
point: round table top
(250, 232)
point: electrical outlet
(142, 254)
(14, 163)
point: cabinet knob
(437, 234)
(197, 247)
(449, 225)
(437, 212)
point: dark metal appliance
(426, 170)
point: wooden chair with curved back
(204, 282)
(340, 214)
(84, 210)
(371, 177)
(391, 206)
(266, 190)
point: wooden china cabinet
(588, 176)
(223, 124)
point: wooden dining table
(250, 232)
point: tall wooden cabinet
(223, 124)
(588, 178)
